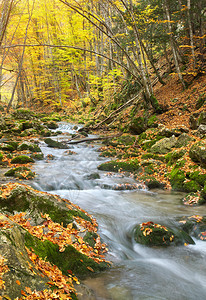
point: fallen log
(71, 142)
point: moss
(23, 114)
(203, 193)
(54, 144)
(14, 203)
(172, 157)
(22, 159)
(7, 147)
(151, 234)
(108, 153)
(126, 140)
(21, 173)
(117, 166)
(29, 146)
(52, 125)
(13, 144)
(177, 178)
(37, 156)
(138, 125)
(191, 186)
(149, 170)
(90, 238)
(155, 104)
(198, 177)
(68, 260)
(152, 121)
(153, 156)
(151, 182)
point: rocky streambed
(155, 242)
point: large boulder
(198, 153)
(183, 140)
(164, 145)
(19, 271)
(61, 240)
(151, 234)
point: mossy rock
(108, 153)
(183, 140)
(126, 140)
(22, 159)
(37, 156)
(28, 132)
(21, 173)
(151, 234)
(191, 186)
(151, 182)
(45, 133)
(55, 144)
(138, 125)
(52, 125)
(13, 144)
(92, 176)
(68, 260)
(177, 178)
(194, 225)
(118, 166)
(197, 153)
(7, 147)
(90, 238)
(172, 157)
(164, 145)
(203, 192)
(193, 199)
(153, 156)
(26, 114)
(23, 198)
(17, 127)
(29, 146)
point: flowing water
(138, 272)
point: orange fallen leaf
(18, 282)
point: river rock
(164, 145)
(41, 209)
(29, 146)
(19, 269)
(55, 144)
(151, 234)
(194, 225)
(22, 159)
(21, 173)
(198, 153)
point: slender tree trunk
(21, 60)
(174, 52)
(191, 33)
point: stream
(138, 272)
